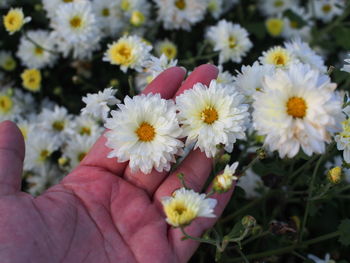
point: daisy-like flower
(275, 26)
(249, 80)
(326, 10)
(212, 116)
(166, 47)
(76, 29)
(136, 12)
(224, 76)
(7, 62)
(346, 67)
(145, 132)
(85, 125)
(231, 40)
(51, 6)
(223, 182)
(186, 205)
(39, 148)
(297, 108)
(40, 181)
(215, 7)
(343, 140)
(97, 104)
(10, 106)
(305, 54)
(31, 79)
(55, 122)
(278, 56)
(128, 52)
(181, 14)
(274, 7)
(327, 259)
(77, 147)
(294, 29)
(34, 56)
(14, 20)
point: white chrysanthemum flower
(76, 29)
(223, 182)
(136, 12)
(343, 140)
(153, 67)
(231, 40)
(77, 147)
(297, 108)
(10, 106)
(212, 116)
(48, 176)
(295, 29)
(327, 259)
(167, 48)
(55, 122)
(145, 132)
(224, 77)
(305, 54)
(250, 182)
(185, 205)
(249, 80)
(85, 125)
(34, 56)
(97, 103)
(128, 52)
(7, 61)
(279, 57)
(326, 10)
(39, 148)
(346, 67)
(108, 16)
(215, 7)
(51, 6)
(181, 14)
(274, 7)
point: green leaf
(342, 37)
(344, 229)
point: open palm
(100, 212)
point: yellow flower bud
(334, 175)
(274, 26)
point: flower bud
(248, 221)
(334, 175)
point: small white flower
(144, 131)
(223, 182)
(224, 77)
(97, 103)
(279, 57)
(185, 205)
(346, 67)
(215, 7)
(297, 108)
(327, 259)
(231, 40)
(250, 182)
(51, 6)
(40, 181)
(7, 61)
(33, 56)
(326, 10)
(128, 52)
(85, 125)
(10, 106)
(212, 116)
(305, 54)
(181, 14)
(274, 7)
(343, 140)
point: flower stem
(198, 239)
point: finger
(185, 248)
(166, 84)
(150, 182)
(11, 158)
(196, 167)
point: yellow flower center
(121, 54)
(232, 42)
(44, 154)
(278, 3)
(38, 50)
(105, 12)
(14, 20)
(31, 79)
(137, 18)
(180, 4)
(179, 214)
(9, 64)
(326, 8)
(85, 131)
(125, 5)
(274, 26)
(76, 22)
(169, 50)
(58, 125)
(296, 107)
(81, 156)
(335, 174)
(24, 132)
(294, 24)
(6, 103)
(209, 115)
(68, 1)
(146, 132)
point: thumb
(11, 158)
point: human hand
(101, 211)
